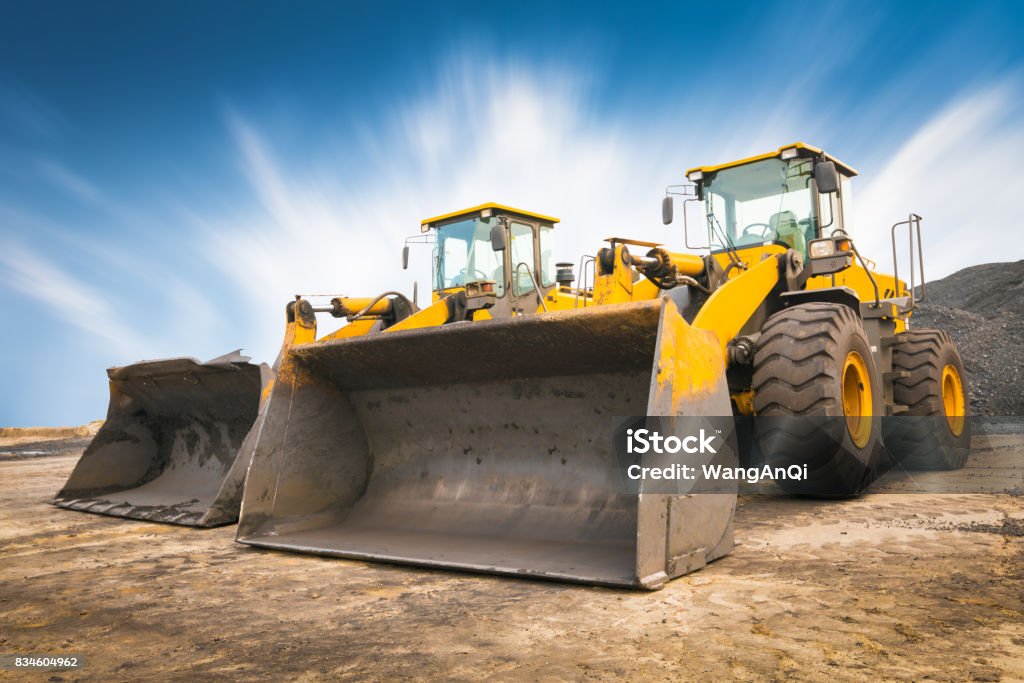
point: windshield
(463, 254)
(763, 201)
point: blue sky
(171, 173)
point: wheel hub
(857, 404)
(953, 399)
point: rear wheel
(817, 399)
(935, 431)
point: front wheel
(817, 399)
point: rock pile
(982, 308)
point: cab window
(547, 255)
(522, 253)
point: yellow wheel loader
(477, 433)
(169, 448)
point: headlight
(695, 176)
(821, 248)
(788, 153)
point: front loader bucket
(169, 449)
(487, 446)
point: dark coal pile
(982, 308)
(42, 449)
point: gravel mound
(982, 309)
(43, 449)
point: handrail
(863, 263)
(867, 270)
(585, 260)
(515, 284)
(913, 224)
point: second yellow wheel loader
(477, 433)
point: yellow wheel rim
(857, 398)
(953, 399)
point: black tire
(800, 366)
(922, 438)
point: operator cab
(496, 246)
(788, 197)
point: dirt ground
(886, 587)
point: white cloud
(80, 188)
(962, 173)
(529, 136)
(103, 279)
(523, 136)
(533, 139)
(68, 298)
(481, 133)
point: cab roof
(483, 211)
(803, 150)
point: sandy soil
(887, 587)
(18, 436)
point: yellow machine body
(475, 433)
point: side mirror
(826, 177)
(498, 242)
(405, 257)
(666, 210)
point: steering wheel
(476, 272)
(765, 227)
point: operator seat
(787, 229)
